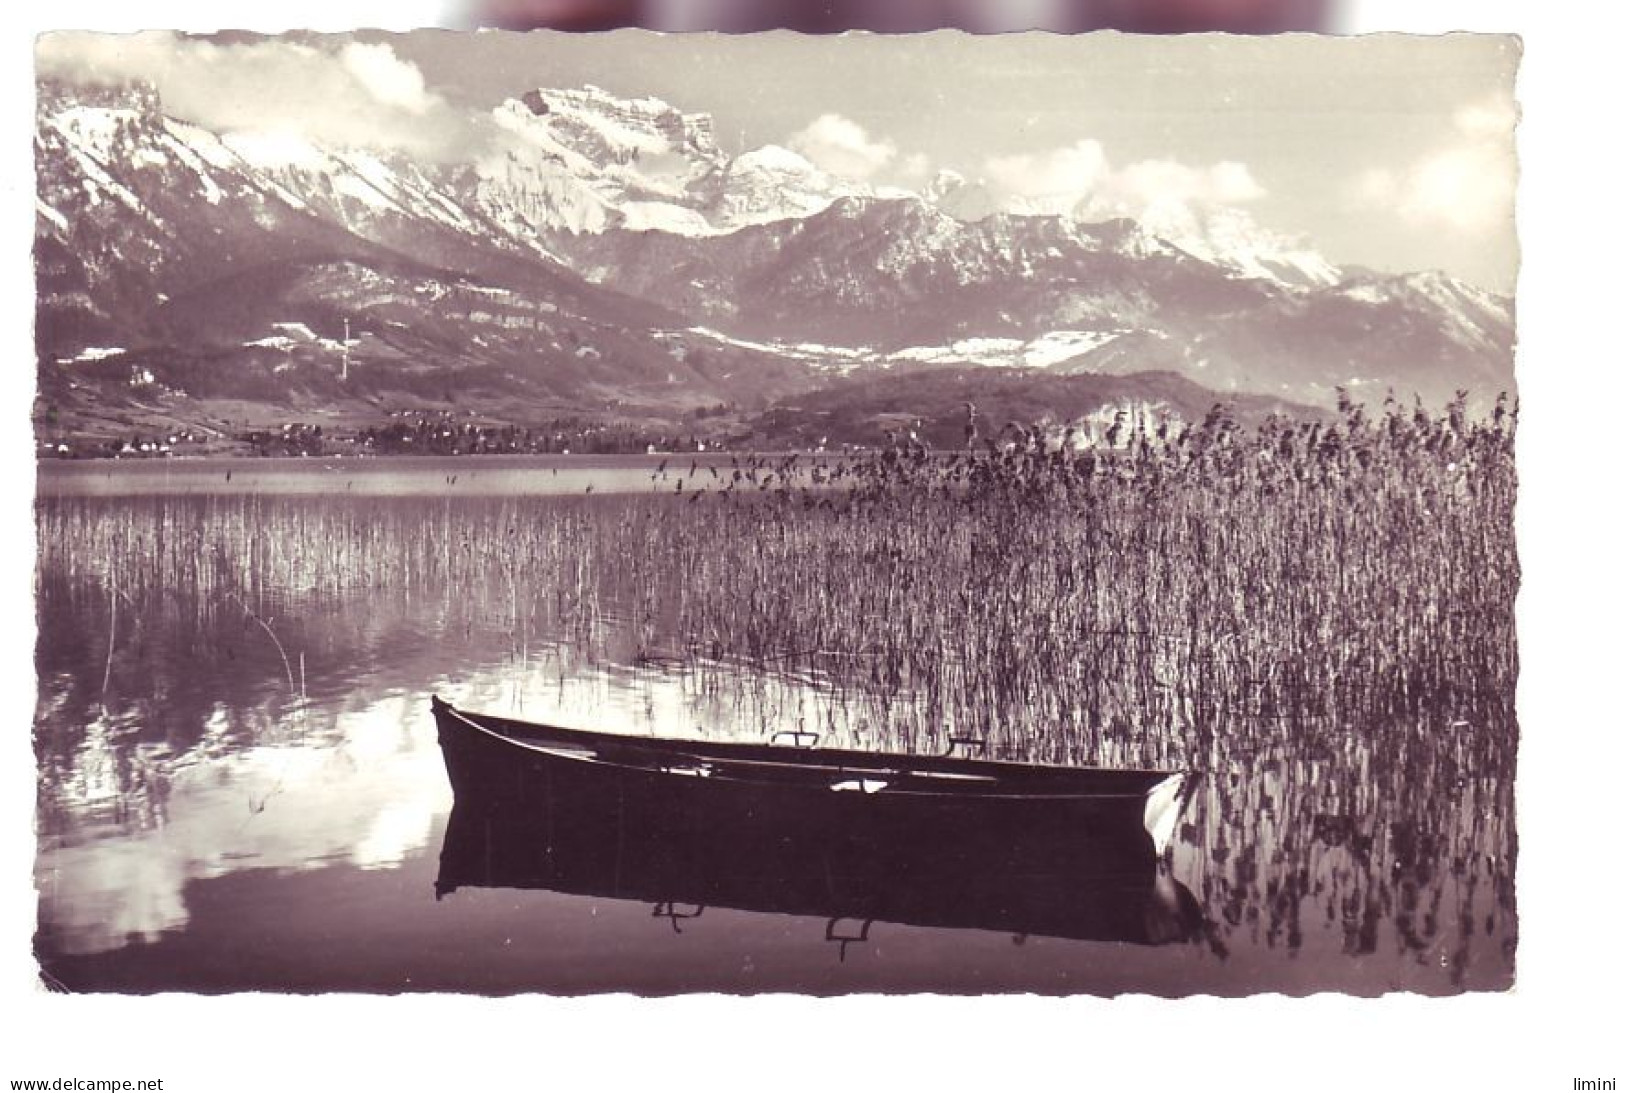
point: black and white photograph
(666, 514)
(1062, 543)
(573, 514)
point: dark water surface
(241, 789)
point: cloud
(843, 147)
(354, 95)
(1052, 181)
(914, 170)
(1468, 184)
(1154, 180)
(386, 77)
(1080, 180)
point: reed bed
(1146, 597)
(1139, 599)
(1317, 614)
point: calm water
(241, 787)
(497, 475)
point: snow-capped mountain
(598, 248)
(959, 197)
(1224, 237)
(585, 161)
(1231, 239)
(887, 276)
(172, 260)
(600, 163)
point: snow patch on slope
(1233, 240)
(56, 218)
(95, 353)
(1045, 351)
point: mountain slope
(891, 276)
(174, 260)
(583, 161)
(930, 404)
(605, 254)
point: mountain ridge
(607, 255)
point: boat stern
(1163, 804)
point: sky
(1390, 151)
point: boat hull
(955, 844)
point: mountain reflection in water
(241, 790)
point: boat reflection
(1100, 886)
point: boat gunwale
(536, 737)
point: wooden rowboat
(838, 834)
(762, 782)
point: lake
(241, 787)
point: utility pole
(345, 373)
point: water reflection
(426, 476)
(365, 789)
(1105, 894)
(1398, 869)
(229, 787)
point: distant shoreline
(425, 457)
(490, 475)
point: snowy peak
(119, 155)
(774, 161)
(1232, 240)
(942, 184)
(1463, 312)
(575, 160)
(1458, 296)
(1129, 238)
(530, 198)
(772, 183)
(621, 150)
(582, 160)
(1224, 237)
(114, 146)
(608, 129)
(959, 197)
(1430, 288)
(52, 96)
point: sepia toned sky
(1389, 151)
